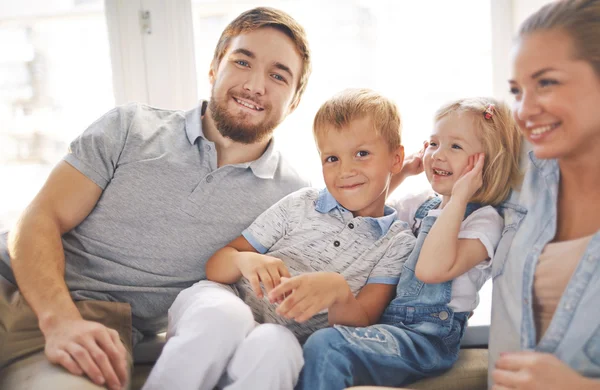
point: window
(421, 54)
(55, 76)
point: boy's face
(254, 84)
(358, 166)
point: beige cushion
(469, 373)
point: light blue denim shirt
(530, 223)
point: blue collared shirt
(530, 224)
(310, 231)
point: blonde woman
(545, 330)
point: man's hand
(535, 370)
(308, 294)
(262, 268)
(90, 348)
(471, 179)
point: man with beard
(143, 198)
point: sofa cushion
(469, 373)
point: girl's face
(453, 140)
(557, 97)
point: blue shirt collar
(326, 202)
(546, 166)
(264, 167)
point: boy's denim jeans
(418, 336)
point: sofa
(469, 373)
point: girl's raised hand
(471, 179)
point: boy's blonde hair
(261, 17)
(501, 141)
(353, 104)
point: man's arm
(37, 260)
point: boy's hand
(308, 294)
(262, 268)
(470, 180)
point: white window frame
(153, 59)
(157, 67)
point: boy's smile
(358, 166)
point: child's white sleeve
(407, 205)
(485, 225)
(388, 268)
(276, 221)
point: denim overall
(417, 336)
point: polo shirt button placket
(351, 225)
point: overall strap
(427, 206)
(433, 203)
(471, 208)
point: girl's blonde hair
(501, 141)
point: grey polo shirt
(165, 208)
(310, 231)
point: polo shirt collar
(264, 167)
(326, 202)
(193, 122)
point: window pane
(55, 79)
(420, 53)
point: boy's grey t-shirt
(164, 210)
(310, 231)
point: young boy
(323, 257)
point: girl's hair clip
(489, 111)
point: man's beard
(233, 126)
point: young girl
(471, 161)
